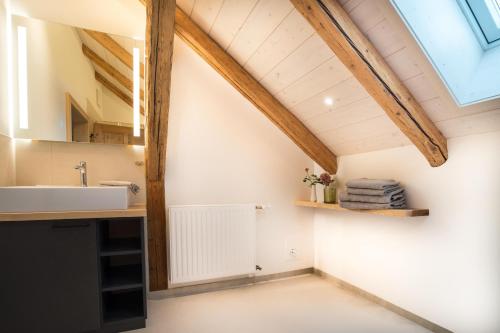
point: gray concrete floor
(305, 304)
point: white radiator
(211, 242)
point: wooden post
(159, 47)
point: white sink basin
(62, 198)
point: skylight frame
(470, 73)
(476, 27)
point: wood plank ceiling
(356, 52)
(275, 44)
(248, 86)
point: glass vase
(313, 197)
(330, 193)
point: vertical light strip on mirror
(137, 95)
(10, 71)
(22, 76)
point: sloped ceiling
(276, 44)
(280, 49)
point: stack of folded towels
(373, 194)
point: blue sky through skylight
(484, 18)
(494, 8)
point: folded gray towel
(388, 198)
(374, 184)
(363, 205)
(368, 191)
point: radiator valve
(257, 267)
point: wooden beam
(336, 28)
(114, 48)
(117, 91)
(159, 48)
(249, 87)
(113, 72)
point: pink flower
(325, 179)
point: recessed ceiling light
(328, 101)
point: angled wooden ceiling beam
(336, 28)
(117, 91)
(249, 87)
(114, 48)
(113, 72)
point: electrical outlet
(291, 248)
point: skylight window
(464, 54)
(484, 17)
(494, 9)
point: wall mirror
(76, 85)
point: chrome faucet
(82, 167)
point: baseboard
(227, 284)
(388, 305)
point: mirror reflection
(76, 85)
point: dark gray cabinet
(72, 276)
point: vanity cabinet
(83, 275)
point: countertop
(133, 211)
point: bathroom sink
(62, 198)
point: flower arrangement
(330, 190)
(326, 179)
(311, 179)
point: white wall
(222, 150)
(7, 161)
(56, 65)
(116, 110)
(445, 267)
(7, 150)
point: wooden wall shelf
(385, 212)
